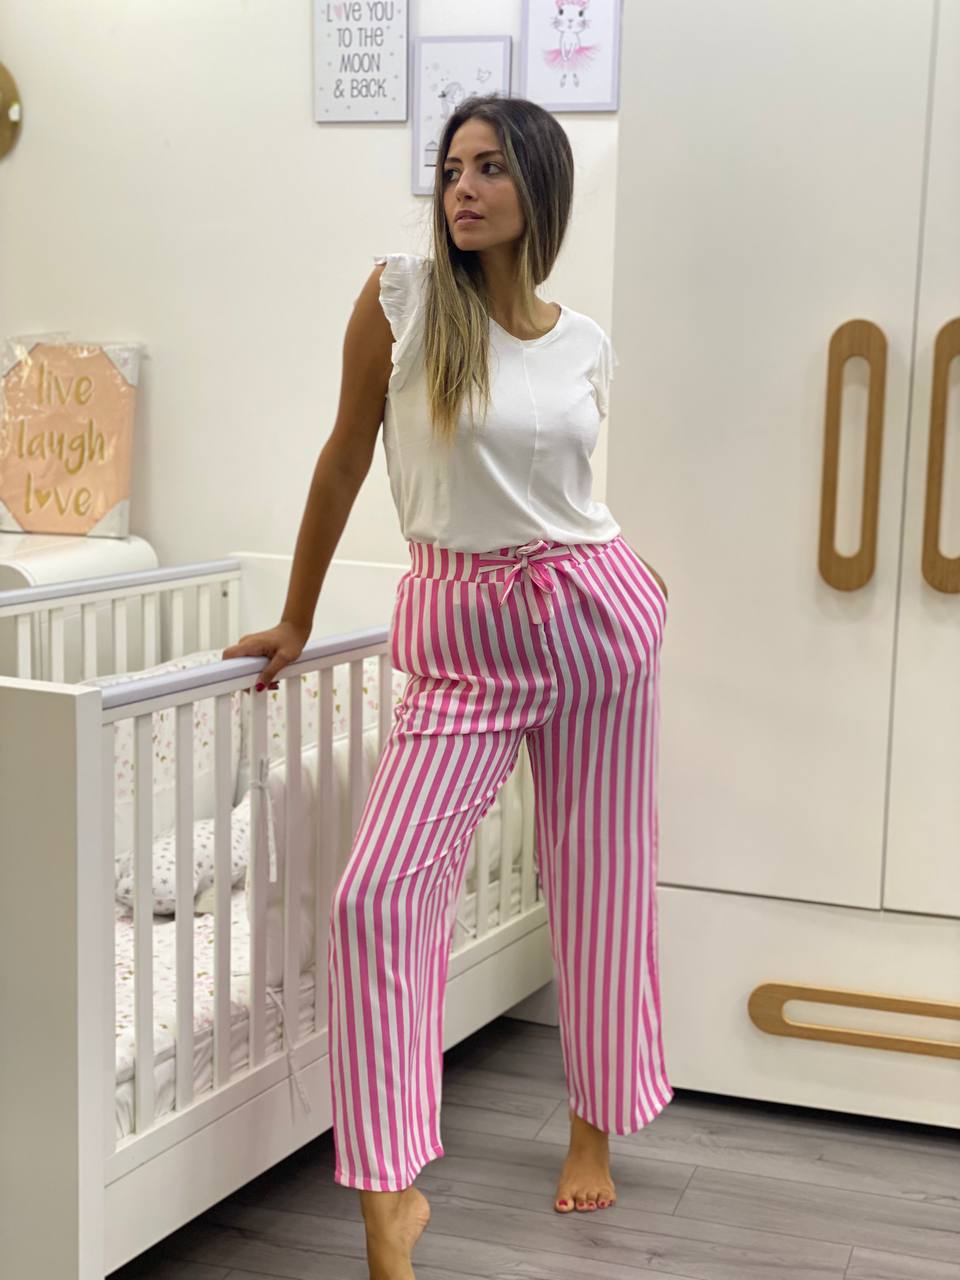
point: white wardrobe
(785, 450)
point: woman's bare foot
(395, 1221)
(585, 1182)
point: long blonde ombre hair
(456, 314)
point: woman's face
(475, 178)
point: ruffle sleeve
(602, 375)
(401, 284)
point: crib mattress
(165, 1005)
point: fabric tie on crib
(469, 929)
(261, 781)
(289, 1051)
(531, 568)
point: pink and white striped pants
(557, 645)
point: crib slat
(384, 698)
(293, 853)
(462, 929)
(56, 644)
(88, 641)
(24, 654)
(257, 870)
(184, 922)
(222, 901)
(358, 788)
(119, 623)
(528, 871)
(148, 630)
(506, 856)
(176, 622)
(143, 920)
(480, 847)
(327, 870)
(204, 615)
(108, 823)
(232, 593)
(460, 934)
(43, 620)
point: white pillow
(336, 828)
(165, 864)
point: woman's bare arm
(346, 456)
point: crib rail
(156, 601)
(138, 699)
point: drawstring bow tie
(531, 568)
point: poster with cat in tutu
(570, 54)
(66, 435)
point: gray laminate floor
(716, 1188)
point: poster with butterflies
(447, 69)
(570, 54)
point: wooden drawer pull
(766, 1002)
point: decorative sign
(66, 436)
(10, 111)
(570, 57)
(359, 60)
(446, 70)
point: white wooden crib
(139, 1081)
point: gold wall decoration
(66, 435)
(9, 111)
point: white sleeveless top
(521, 473)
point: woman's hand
(282, 644)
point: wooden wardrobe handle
(854, 338)
(942, 572)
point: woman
(525, 617)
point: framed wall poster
(447, 69)
(570, 54)
(66, 435)
(359, 60)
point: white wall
(170, 187)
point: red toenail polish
(563, 1202)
